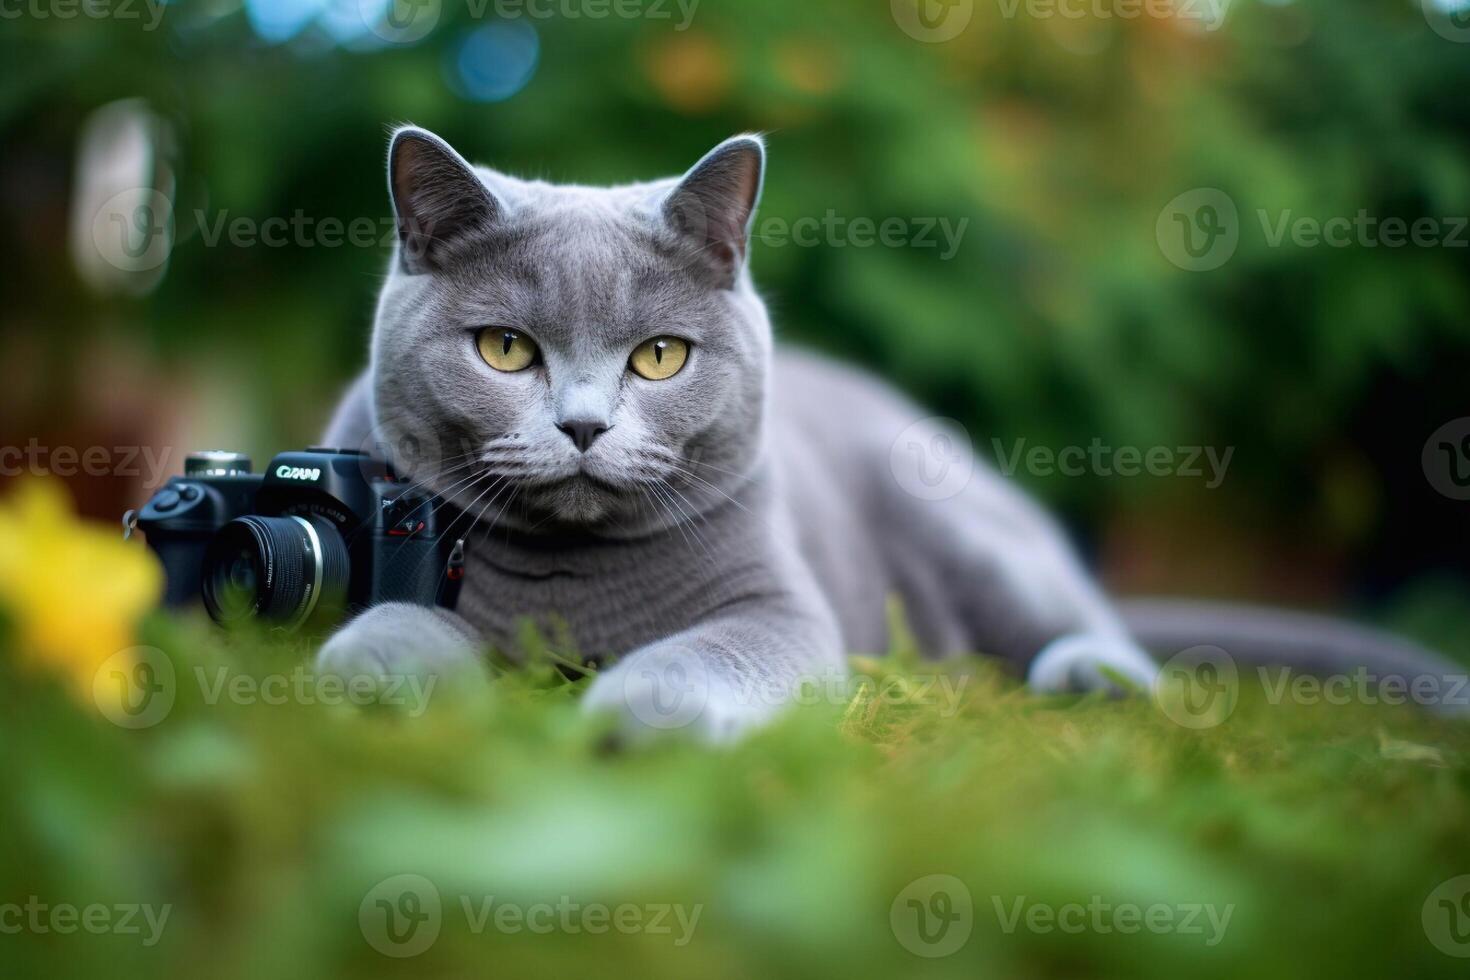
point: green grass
(264, 827)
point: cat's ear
(714, 204)
(438, 200)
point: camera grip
(407, 570)
(182, 556)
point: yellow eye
(505, 349)
(659, 358)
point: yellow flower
(73, 590)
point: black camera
(319, 535)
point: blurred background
(1099, 221)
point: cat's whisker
(408, 489)
(680, 522)
(503, 507)
(674, 497)
(701, 482)
(447, 495)
(497, 484)
(461, 463)
(673, 459)
(660, 508)
(698, 514)
(445, 533)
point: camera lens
(280, 569)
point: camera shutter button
(190, 493)
(166, 501)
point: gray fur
(740, 526)
(734, 531)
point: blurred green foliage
(266, 828)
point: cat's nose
(582, 432)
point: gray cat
(587, 375)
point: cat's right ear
(714, 204)
(438, 200)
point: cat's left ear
(714, 205)
(438, 199)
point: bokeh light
(277, 21)
(493, 62)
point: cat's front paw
(667, 690)
(1087, 662)
(399, 639)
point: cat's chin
(578, 501)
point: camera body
(321, 534)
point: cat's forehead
(581, 261)
(539, 200)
